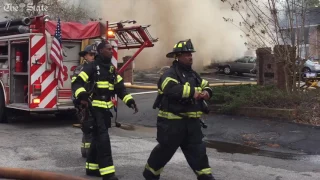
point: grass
(307, 103)
(232, 97)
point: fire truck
(28, 78)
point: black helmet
(181, 46)
(88, 49)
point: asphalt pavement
(50, 144)
(273, 135)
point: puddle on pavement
(231, 148)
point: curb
(232, 84)
(288, 114)
(132, 86)
(208, 73)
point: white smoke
(175, 20)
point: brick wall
(266, 67)
(271, 67)
(128, 72)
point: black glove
(84, 96)
(135, 108)
(86, 122)
(84, 99)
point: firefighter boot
(206, 177)
(110, 177)
(149, 176)
(93, 173)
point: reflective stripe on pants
(154, 172)
(107, 170)
(205, 171)
(85, 145)
(92, 166)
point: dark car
(245, 64)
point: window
(292, 35)
(243, 60)
(252, 60)
(304, 51)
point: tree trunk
(285, 57)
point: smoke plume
(175, 20)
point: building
(306, 38)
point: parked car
(311, 66)
(245, 64)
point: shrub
(232, 97)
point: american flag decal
(56, 54)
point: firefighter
(107, 84)
(181, 102)
(88, 54)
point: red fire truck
(28, 80)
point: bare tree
(270, 23)
(53, 8)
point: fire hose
(30, 174)
(115, 102)
(15, 29)
(16, 22)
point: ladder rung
(131, 37)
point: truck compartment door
(70, 62)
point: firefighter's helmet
(88, 49)
(180, 47)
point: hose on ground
(30, 174)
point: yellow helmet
(180, 47)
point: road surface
(46, 143)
